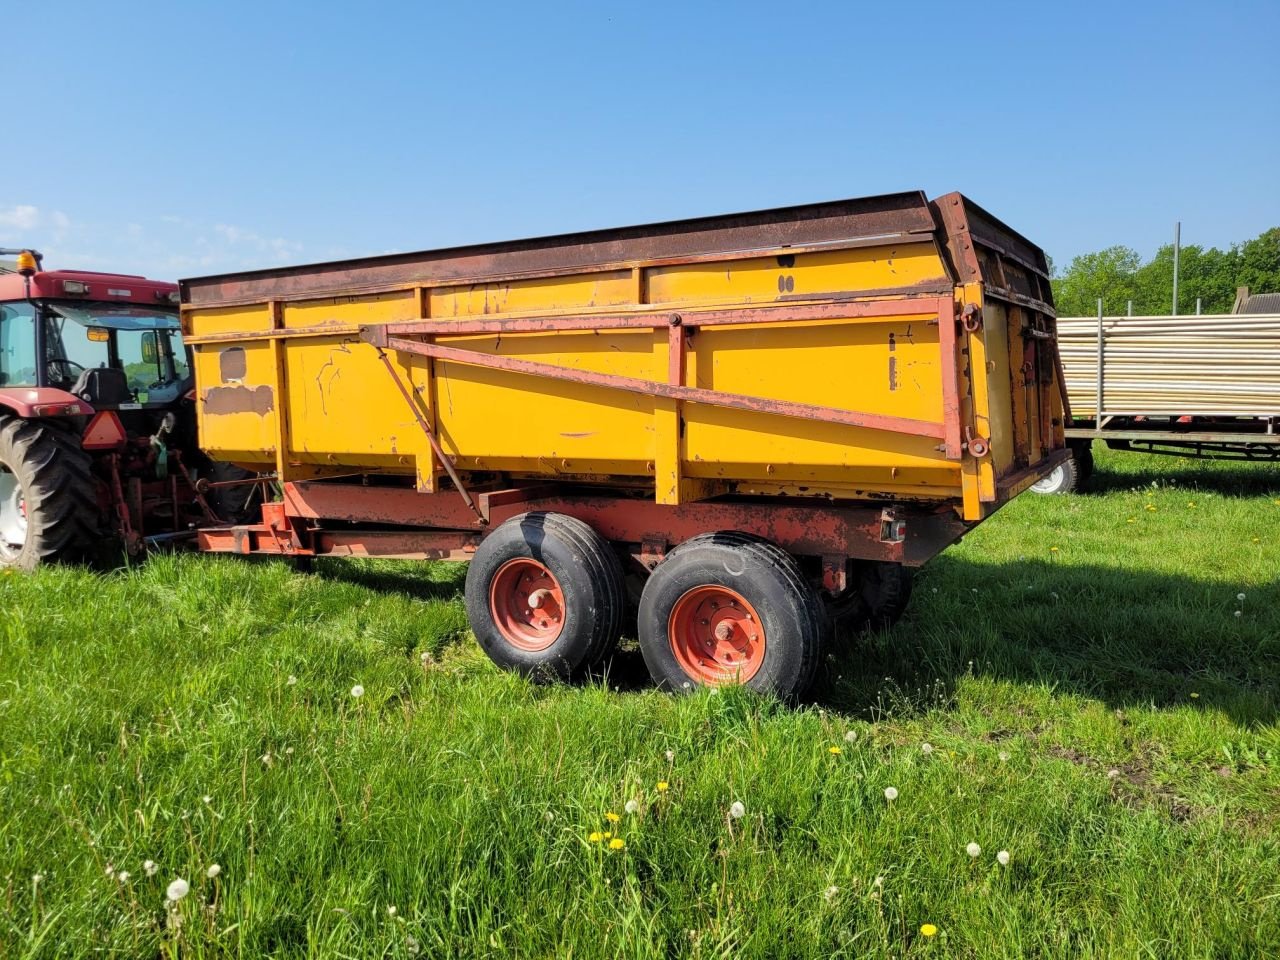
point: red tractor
(98, 451)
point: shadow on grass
(394, 576)
(1127, 638)
(1142, 470)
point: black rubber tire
(1084, 466)
(876, 598)
(1065, 477)
(768, 578)
(590, 577)
(55, 477)
(233, 504)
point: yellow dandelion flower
(833, 750)
(663, 786)
(1191, 506)
(1257, 539)
(608, 834)
(1195, 696)
(612, 817)
(1131, 520)
(928, 930)
(596, 836)
(617, 843)
(1053, 549)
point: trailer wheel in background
(875, 599)
(730, 608)
(545, 596)
(1070, 475)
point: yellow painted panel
(888, 366)
(207, 322)
(811, 275)
(585, 291)
(236, 401)
(340, 311)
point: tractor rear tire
(48, 497)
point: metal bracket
(971, 318)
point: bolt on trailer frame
(853, 383)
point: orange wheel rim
(527, 604)
(716, 635)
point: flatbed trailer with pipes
(754, 426)
(1205, 385)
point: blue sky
(182, 138)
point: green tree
(1118, 275)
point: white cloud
(21, 217)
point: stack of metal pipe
(1225, 365)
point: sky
(184, 139)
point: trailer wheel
(875, 599)
(48, 499)
(545, 596)
(1066, 477)
(730, 608)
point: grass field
(1077, 684)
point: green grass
(1098, 710)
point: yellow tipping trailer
(736, 409)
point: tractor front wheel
(48, 501)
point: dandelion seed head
(288, 749)
(850, 736)
(891, 793)
(37, 877)
(110, 870)
(1003, 755)
(177, 889)
(1240, 597)
(149, 867)
(632, 806)
(213, 871)
(972, 849)
(737, 810)
(391, 910)
(1239, 613)
(357, 691)
(1113, 773)
(123, 876)
(207, 799)
(292, 681)
(1003, 858)
(670, 755)
(926, 748)
(829, 894)
(878, 882)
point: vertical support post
(1129, 309)
(950, 363)
(1097, 410)
(666, 462)
(1198, 306)
(281, 392)
(1177, 250)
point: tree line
(1118, 275)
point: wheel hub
(1049, 483)
(527, 604)
(716, 635)
(13, 514)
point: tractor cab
(96, 405)
(114, 356)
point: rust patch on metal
(223, 400)
(232, 365)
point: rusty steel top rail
(978, 247)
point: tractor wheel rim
(716, 635)
(527, 604)
(1050, 482)
(13, 514)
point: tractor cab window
(17, 345)
(142, 342)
